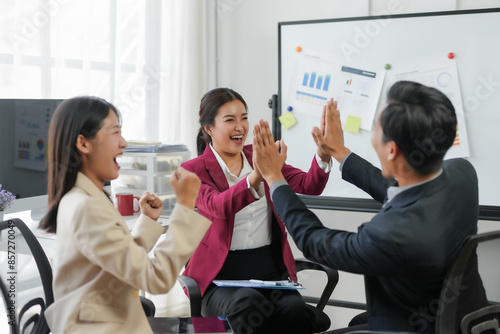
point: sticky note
(352, 124)
(288, 120)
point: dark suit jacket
(404, 251)
(219, 203)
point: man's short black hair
(422, 122)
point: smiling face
(230, 129)
(99, 153)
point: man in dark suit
(430, 206)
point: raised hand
(329, 136)
(268, 156)
(186, 187)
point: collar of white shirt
(252, 226)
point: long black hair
(83, 115)
(209, 107)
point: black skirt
(263, 263)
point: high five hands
(268, 156)
(329, 137)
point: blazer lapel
(247, 151)
(213, 169)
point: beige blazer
(100, 265)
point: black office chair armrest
(36, 317)
(148, 306)
(332, 278)
(193, 292)
(484, 318)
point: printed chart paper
(312, 85)
(357, 90)
(356, 87)
(441, 73)
(31, 128)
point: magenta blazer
(219, 203)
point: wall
(247, 49)
(248, 46)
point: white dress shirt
(252, 224)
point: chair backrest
(9, 317)
(463, 292)
(25, 266)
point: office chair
(26, 249)
(322, 320)
(451, 318)
(148, 306)
(462, 287)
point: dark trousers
(256, 311)
(358, 323)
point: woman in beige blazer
(99, 265)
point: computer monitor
(24, 125)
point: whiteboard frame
(486, 212)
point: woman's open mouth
(237, 139)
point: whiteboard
(473, 37)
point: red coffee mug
(125, 204)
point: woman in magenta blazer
(246, 240)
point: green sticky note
(288, 120)
(352, 124)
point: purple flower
(6, 199)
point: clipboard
(259, 284)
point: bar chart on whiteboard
(313, 82)
(313, 88)
(355, 86)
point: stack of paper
(154, 147)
